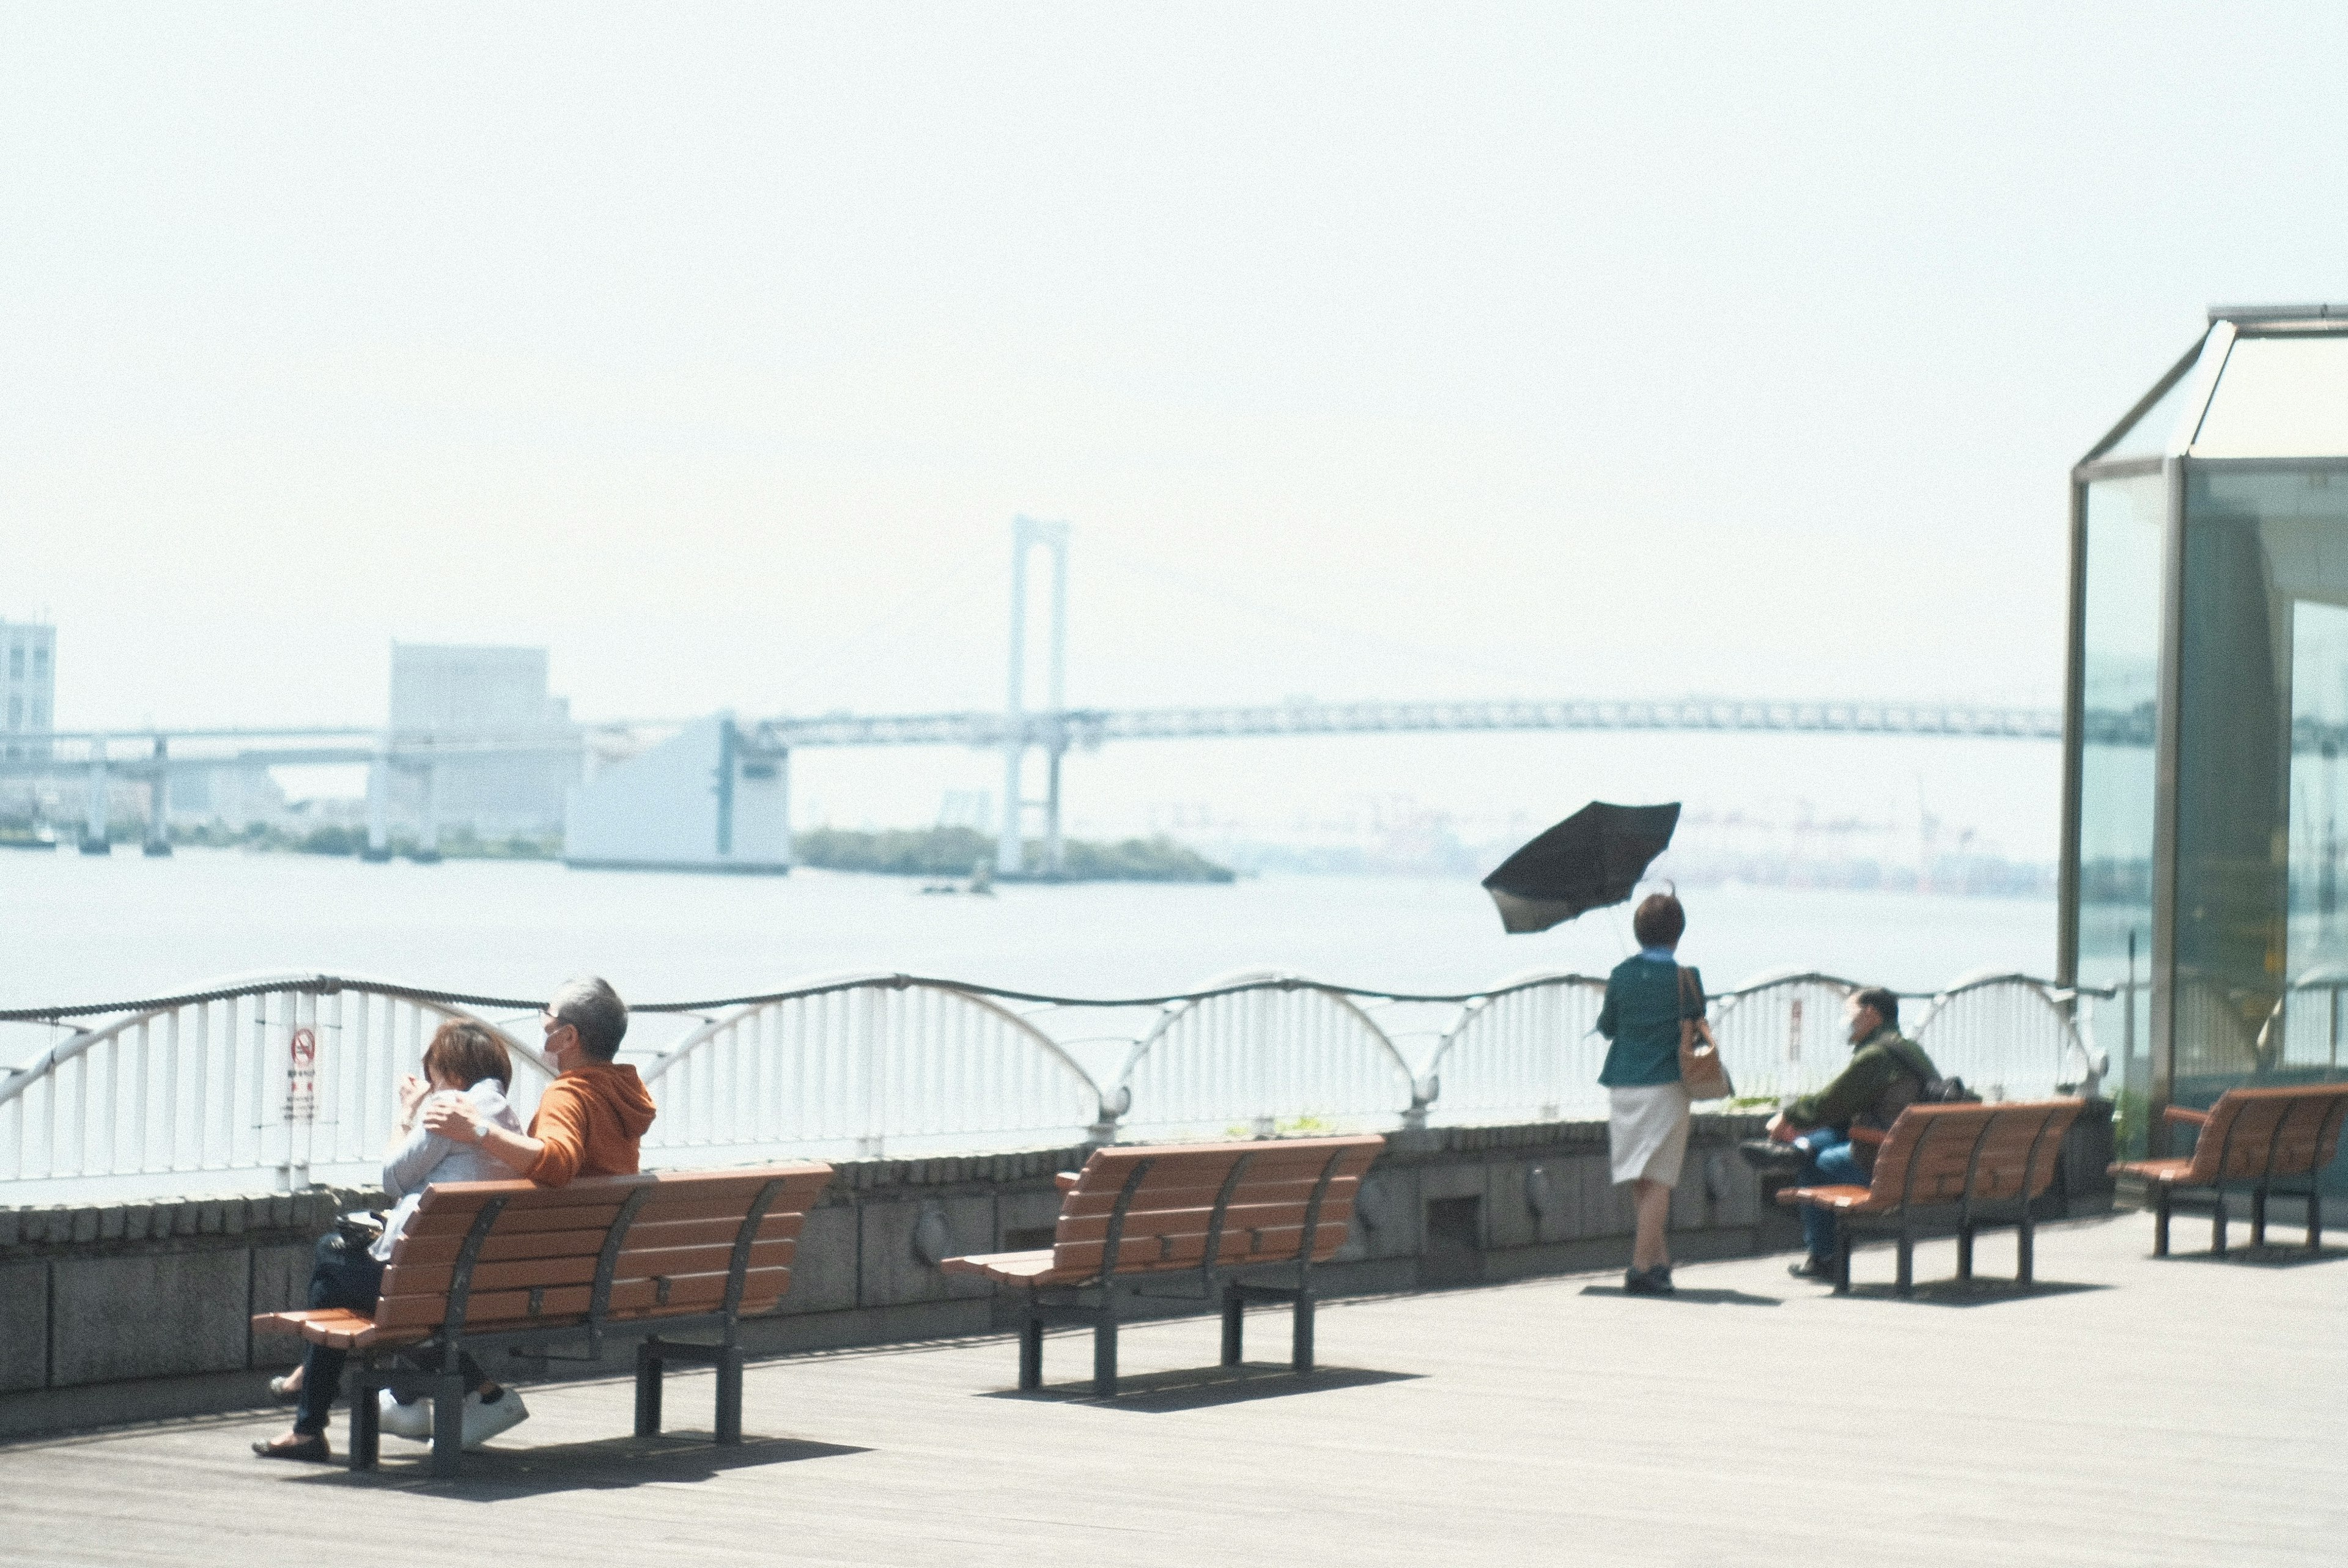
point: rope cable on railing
(328, 985)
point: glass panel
(2264, 699)
(2280, 397)
(2121, 677)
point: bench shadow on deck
(1201, 1388)
(604, 1464)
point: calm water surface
(97, 929)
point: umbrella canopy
(1592, 858)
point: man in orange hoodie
(591, 1120)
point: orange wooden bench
(1189, 1221)
(2257, 1136)
(1986, 1163)
(510, 1265)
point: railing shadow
(607, 1464)
(1201, 1388)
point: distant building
(459, 693)
(28, 686)
(694, 802)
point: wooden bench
(2257, 1136)
(1189, 1221)
(1984, 1162)
(486, 1266)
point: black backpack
(1932, 1088)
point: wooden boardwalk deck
(2140, 1414)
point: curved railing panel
(1783, 1035)
(282, 1078)
(1529, 1050)
(863, 1065)
(2009, 1037)
(1270, 1052)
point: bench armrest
(1870, 1135)
(1067, 1180)
(2178, 1114)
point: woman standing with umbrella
(1647, 996)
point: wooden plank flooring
(2145, 1413)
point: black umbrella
(1592, 858)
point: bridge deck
(2140, 1414)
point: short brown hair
(1886, 1004)
(1659, 921)
(465, 1054)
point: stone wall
(126, 1312)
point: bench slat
(433, 1278)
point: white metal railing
(862, 1063)
(1528, 1049)
(1265, 1051)
(287, 1078)
(210, 1090)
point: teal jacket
(1642, 1015)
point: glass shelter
(2206, 746)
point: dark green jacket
(1885, 1059)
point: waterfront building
(28, 686)
(695, 802)
(2205, 810)
(452, 692)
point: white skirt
(1647, 1131)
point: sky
(1370, 351)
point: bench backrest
(2280, 1131)
(1953, 1153)
(1163, 1200)
(537, 1259)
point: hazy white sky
(1373, 351)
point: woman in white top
(467, 1060)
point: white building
(461, 691)
(694, 802)
(28, 686)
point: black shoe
(310, 1447)
(1648, 1281)
(1820, 1269)
(1772, 1158)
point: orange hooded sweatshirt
(591, 1120)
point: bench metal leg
(1235, 1324)
(1841, 1257)
(447, 1421)
(1104, 1354)
(729, 1394)
(2315, 1215)
(2218, 1226)
(1031, 1352)
(2025, 1248)
(648, 1388)
(366, 1421)
(1965, 1251)
(1906, 1283)
(1301, 1352)
(2258, 1217)
(2161, 1222)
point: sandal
(311, 1446)
(280, 1393)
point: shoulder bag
(1700, 1069)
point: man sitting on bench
(591, 1121)
(1886, 1074)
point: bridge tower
(1009, 849)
